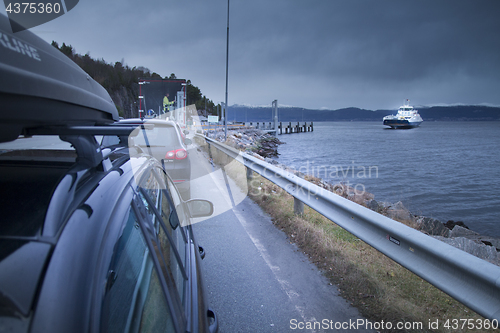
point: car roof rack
(40, 86)
(89, 152)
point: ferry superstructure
(407, 117)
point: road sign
(213, 119)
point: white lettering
(334, 174)
(1, 41)
(19, 47)
(6, 38)
(362, 173)
(370, 171)
(22, 47)
(34, 52)
(344, 173)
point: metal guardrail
(470, 280)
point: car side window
(110, 140)
(171, 236)
(176, 202)
(178, 239)
(134, 299)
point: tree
(67, 50)
(193, 93)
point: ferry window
(134, 300)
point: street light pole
(227, 60)
(141, 97)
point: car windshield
(157, 136)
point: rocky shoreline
(264, 146)
(250, 140)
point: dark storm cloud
(320, 53)
(383, 40)
(376, 46)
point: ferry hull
(400, 123)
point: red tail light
(178, 154)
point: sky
(317, 54)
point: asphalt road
(257, 280)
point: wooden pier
(269, 127)
(296, 128)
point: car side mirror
(173, 219)
(186, 132)
(200, 207)
(188, 141)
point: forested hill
(435, 113)
(122, 82)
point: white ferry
(407, 117)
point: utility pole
(275, 115)
(227, 60)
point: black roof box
(40, 86)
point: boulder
(480, 250)
(361, 197)
(459, 231)
(450, 224)
(399, 212)
(432, 226)
(373, 205)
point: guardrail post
(249, 175)
(298, 206)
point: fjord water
(444, 170)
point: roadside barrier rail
(470, 280)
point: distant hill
(435, 113)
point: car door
(152, 281)
(182, 259)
